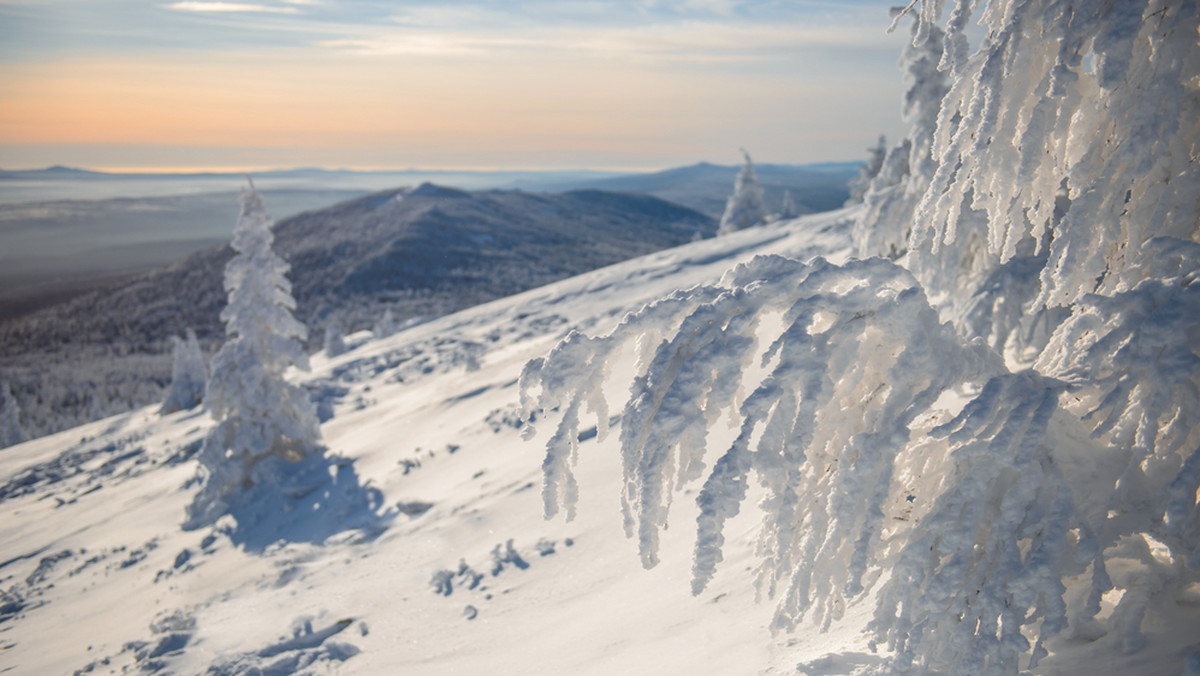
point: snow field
(427, 432)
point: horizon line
(265, 169)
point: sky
(445, 84)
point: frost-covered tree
(788, 208)
(859, 184)
(264, 423)
(1056, 212)
(11, 432)
(335, 341)
(905, 171)
(189, 375)
(386, 325)
(744, 207)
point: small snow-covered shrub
(787, 207)
(385, 326)
(335, 340)
(745, 206)
(11, 432)
(867, 173)
(189, 376)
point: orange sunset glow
(434, 87)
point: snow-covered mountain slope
(461, 575)
(423, 252)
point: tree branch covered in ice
(837, 433)
(1101, 96)
(1043, 215)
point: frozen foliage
(1044, 208)
(259, 414)
(1134, 359)
(787, 208)
(868, 172)
(335, 340)
(189, 375)
(893, 191)
(836, 430)
(10, 418)
(1099, 95)
(385, 326)
(744, 207)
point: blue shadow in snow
(305, 501)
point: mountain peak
(430, 190)
(62, 169)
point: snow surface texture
(986, 529)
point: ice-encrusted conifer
(335, 341)
(386, 325)
(262, 419)
(11, 432)
(788, 208)
(189, 375)
(744, 207)
(867, 173)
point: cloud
(205, 6)
(691, 41)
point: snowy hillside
(460, 574)
(418, 253)
(98, 574)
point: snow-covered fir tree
(189, 375)
(264, 423)
(744, 207)
(1057, 204)
(335, 340)
(386, 325)
(11, 432)
(866, 173)
(788, 208)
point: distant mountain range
(705, 187)
(420, 253)
(65, 231)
